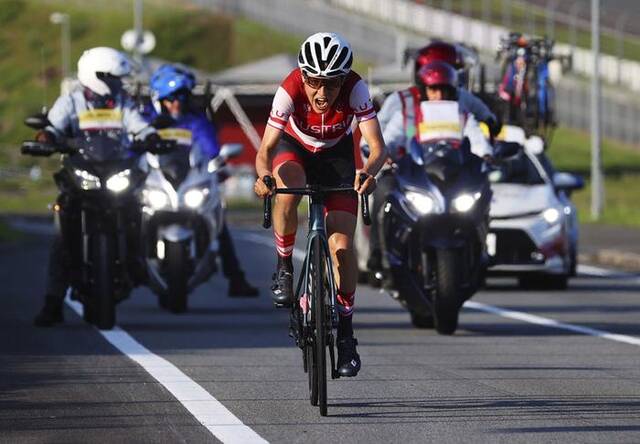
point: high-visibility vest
(411, 115)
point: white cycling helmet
(101, 60)
(325, 54)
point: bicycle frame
(312, 325)
(317, 228)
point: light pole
(62, 19)
(622, 20)
(597, 186)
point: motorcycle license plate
(491, 244)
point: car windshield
(517, 169)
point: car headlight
(86, 180)
(194, 197)
(157, 199)
(551, 215)
(422, 203)
(464, 203)
(119, 182)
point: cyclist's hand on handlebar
(264, 186)
(365, 183)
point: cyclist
(394, 106)
(308, 140)
(513, 86)
(100, 72)
(171, 98)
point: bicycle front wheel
(320, 323)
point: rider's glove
(44, 136)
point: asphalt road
(498, 379)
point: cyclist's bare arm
(370, 130)
(264, 157)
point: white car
(533, 228)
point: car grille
(513, 247)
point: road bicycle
(314, 315)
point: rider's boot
(282, 288)
(348, 357)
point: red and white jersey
(292, 112)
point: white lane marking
(590, 270)
(210, 412)
(511, 314)
(551, 323)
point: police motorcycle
(435, 222)
(98, 214)
(182, 216)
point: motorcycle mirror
(37, 121)
(567, 181)
(230, 150)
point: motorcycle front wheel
(447, 298)
(102, 305)
(177, 277)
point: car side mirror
(567, 182)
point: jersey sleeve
(360, 102)
(281, 109)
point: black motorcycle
(98, 213)
(434, 227)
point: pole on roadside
(137, 26)
(597, 187)
(62, 19)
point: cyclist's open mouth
(321, 103)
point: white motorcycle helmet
(325, 54)
(97, 62)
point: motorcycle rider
(101, 104)
(308, 140)
(436, 80)
(393, 108)
(171, 88)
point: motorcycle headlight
(194, 197)
(119, 182)
(422, 203)
(464, 203)
(86, 180)
(551, 215)
(157, 199)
